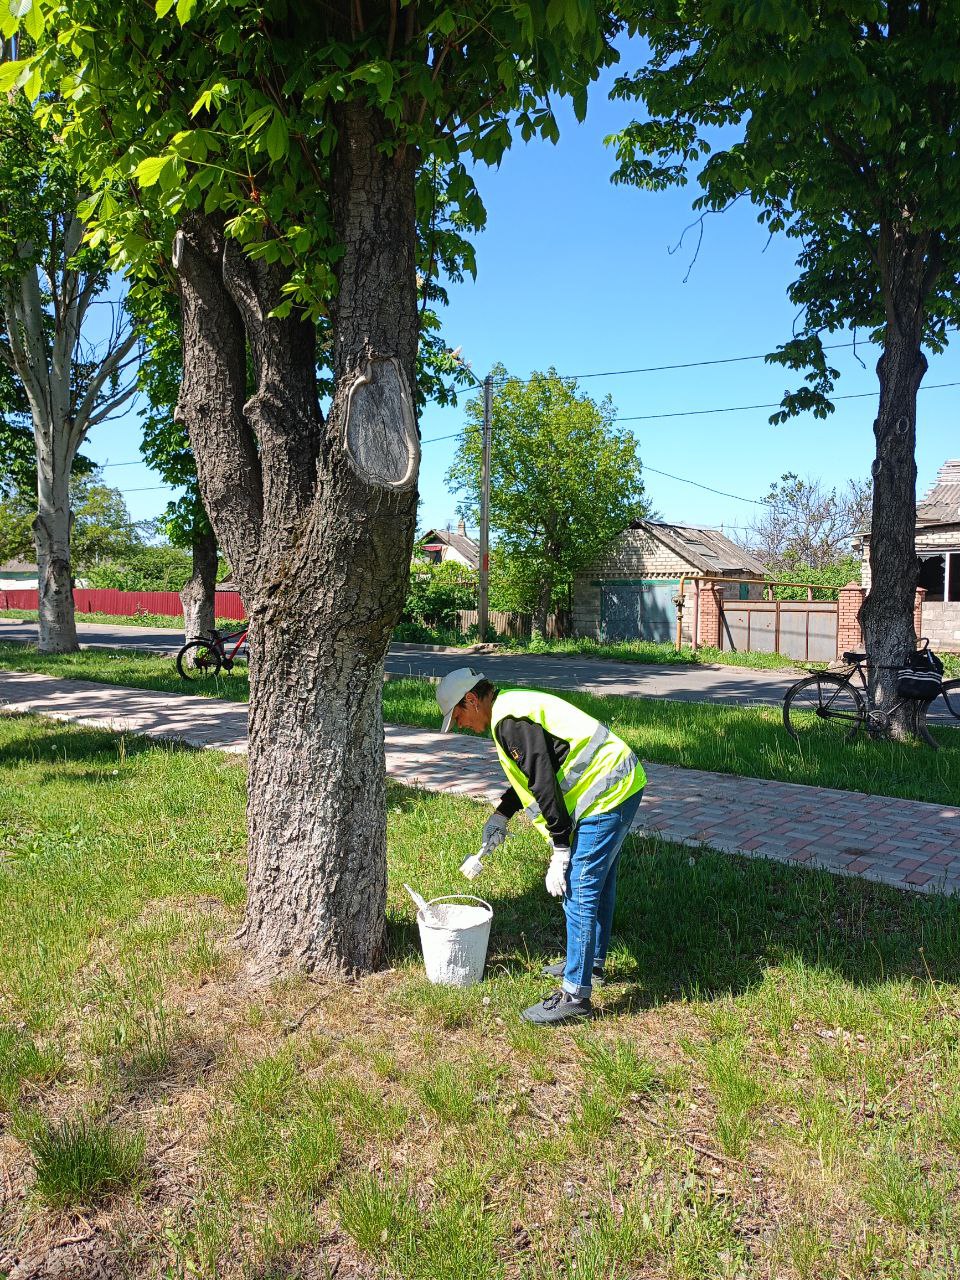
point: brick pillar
(918, 610)
(849, 635)
(709, 627)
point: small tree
(437, 594)
(564, 479)
(102, 528)
(71, 378)
(841, 127)
(806, 526)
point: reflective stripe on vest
(572, 773)
(597, 760)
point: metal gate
(796, 628)
(639, 610)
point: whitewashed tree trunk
(41, 348)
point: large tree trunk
(887, 613)
(321, 549)
(57, 629)
(199, 594)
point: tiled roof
(942, 504)
(459, 542)
(706, 549)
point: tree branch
(107, 368)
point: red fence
(127, 604)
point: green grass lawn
(772, 1090)
(748, 741)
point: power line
(665, 368)
(737, 408)
(697, 485)
(695, 413)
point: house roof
(942, 504)
(706, 549)
(459, 542)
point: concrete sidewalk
(900, 842)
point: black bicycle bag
(921, 676)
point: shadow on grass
(701, 924)
(40, 741)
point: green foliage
(437, 593)
(102, 528)
(165, 445)
(830, 577)
(16, 524)
(515, 584)
(564, 481)
(147, 568)
(838, 123)
(232, 107)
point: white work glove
(556, 880)
(494, 833)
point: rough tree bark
(199, 594)
(909, 264)
(317, 520)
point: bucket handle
(460, 897)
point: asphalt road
(685, 682)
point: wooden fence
(516, 626)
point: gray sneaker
(557, 970)
(558, 1007)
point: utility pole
(483, 603)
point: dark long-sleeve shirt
(539, 757)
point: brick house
(938, 558)
(630, 593)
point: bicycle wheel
(198, 660)
(939, 715)
(826, 705)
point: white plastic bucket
(454, 939)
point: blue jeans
(592, 892)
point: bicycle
(839, 709)
(206, 655)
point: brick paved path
(900, 842)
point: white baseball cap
(454, 686)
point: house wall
(634, 555)
(637, 554)
(946, 536)
(941, 621)
(448, 553)
(18, 580)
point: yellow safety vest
(599, 772)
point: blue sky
(577, 273)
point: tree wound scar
(380, 434)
